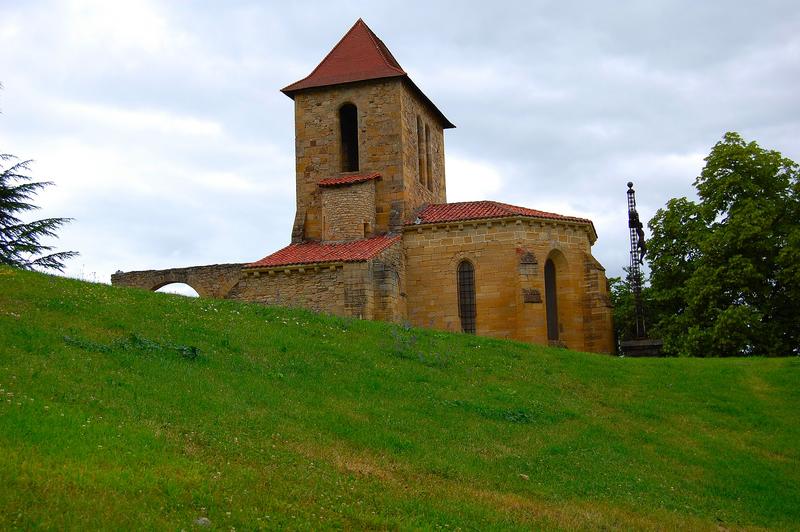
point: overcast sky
(163, 128)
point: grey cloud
(567, 100)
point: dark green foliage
(135, 343)
(725, 271)
(20, 244)
(625, 308)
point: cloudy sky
(163, 128)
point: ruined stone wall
(597, 308)
(318, 149)
(348, 212)
(509, 258)
(389, 277)
(418, 192)
(208, 281)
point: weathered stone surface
(348, 212)
(388, 144)
(368, 290)
(208, 281)
(503, 254)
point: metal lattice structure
(638, 250)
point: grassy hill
(121, 408)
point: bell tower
(369, 145)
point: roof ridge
(507, 209)
(383, 50)
(327, 55)
(315, 252)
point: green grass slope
(121, 408)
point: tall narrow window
(466, 296)
(420, 151)
(551, 300)
(348, 128)
(428, 159)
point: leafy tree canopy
(725, 271)
(20, 244)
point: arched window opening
(551, 300)
(466, 296)
(348, 126)
(181, 289)
(420, 151)
(428, 159)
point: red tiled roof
(317, 252)
(475, 210)
(347, 180)
(358, 56)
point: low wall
(214, 280)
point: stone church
(374, 237)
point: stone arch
(555, 267)
(180, 278)
(348, 137)
(214, 280)
(181, 289)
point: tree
(20, 242)
(725, 271)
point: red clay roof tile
(475, 210)
(358, 56)
(317, 252)
(347, 180)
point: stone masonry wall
(366, 290)
(318, 155)
(509, 258)
(597, 307)
(388, 144)
(348, 212)
(417, 193)
(389, 277)
(208, 281)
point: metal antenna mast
(637, 259)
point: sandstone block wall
(417, 191)
(318, 149)
(388, 144)
(388, 274)
(509, 258)
(348, 212)
(597, 307)
(366, 290)
(214, 280)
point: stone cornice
(510, 220)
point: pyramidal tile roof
(318, 252)
(348, 179)
(359, 56)
(478, 210)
